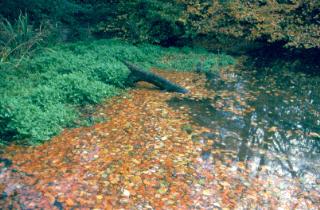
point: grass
(46, 92)
(19, 39)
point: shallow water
(240, 140)
(267, 121)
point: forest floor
(145, 156)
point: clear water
(267, 120)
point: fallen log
(138, 74)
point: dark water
(264, 119)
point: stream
(245, 139)
(265, 121)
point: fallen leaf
(69, 202)
(207, 192)
(99, 197)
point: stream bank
(215, 147)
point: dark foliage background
(295, 24)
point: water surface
(266, 121)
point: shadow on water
(265, 119)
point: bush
(295, 24)
(76, 88)
(154, 21)
(21, 119)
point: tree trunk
(138, 74)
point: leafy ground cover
(149, 155)
(47, 91)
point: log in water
(138, 74)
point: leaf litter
(146, 156)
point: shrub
(78, 89)
(293, 23)
(21, 119)
(155, 21)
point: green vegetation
(19, 39)
(152, 21)
(45, 81)
(47, 91)
(294, 24)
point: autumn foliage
(295, 23)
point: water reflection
(268, 120)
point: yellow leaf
(207, 192)
(136, 180)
